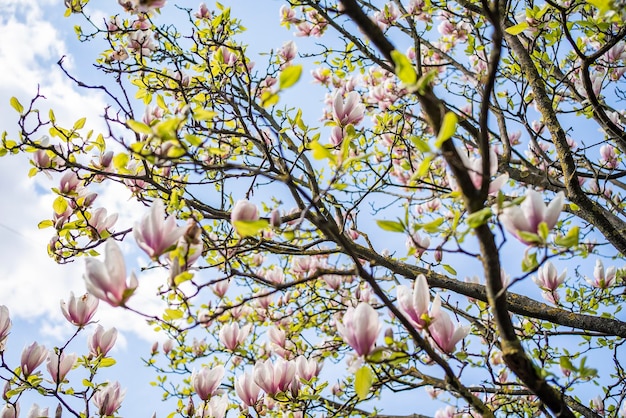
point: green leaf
(139, 127)
(479, 218)
(203, 114)
(289, 76)
(80, 123)
(172, 314)
(449, 269)
(433, 226)
(268, 98)
(17, 105)
(59, 205)
(569, 240)
(529, 262)
(566, 364)
(448, 127)
(107, 362)
(250, 228)
(320, 152)
(391, 226)
(363, 381)
(517, 29)
(45, 224)
(404, 68)
(120, 161)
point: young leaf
(289, 76)
(59, 205)
(139, 127)
(17, 105)
(517, 29)
(391, 226)
(250, 228)
(363, 381)
(448, 127)
(404, 68)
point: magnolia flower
(101, 341)
(414, 304)
(36, 412)
(547, 277)
(247, 390)
(527, 217)
(415, 242)
(231, 335)
(10, 411)
(602, 279)
(108, 399)
(475, 169)
(100, 221)
(203, 12)
(207, 380)
(444, 333)
(155, 234)
(274, 377)
(5, 325)
(32, 357)
(69, 183)
(79, 311)
(307, 369)
(359, 328)
(58, 369)
(107, 281)
(350, 111)
(244, 211)
(215, 408)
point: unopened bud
(275, 218)
(438, 255)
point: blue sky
(31, 284)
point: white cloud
(31, 284)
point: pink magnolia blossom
(79, 311)
(100, 221)
(307, 369)
(36, 412)
(32, 357)
(101, 341)
(417, 244)
(108, 399)
(221, 287)
(203, 12)
(207, 380)
(247, 390)
(445, 334)
(274, 275)
(414, 303)
(10, 411)
(155, 234)
(69, 183)
(359, 328)
(475, 169)
(602, 279)
(288, 51)
(59, 368)
(215, 408)
(231, 335)
(5, 325)
(350, 111)
(274, 377)
(244, 210)
(107, 281)
(531, 213)
(548, 278)
(608, 156)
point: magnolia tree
(414, 239)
